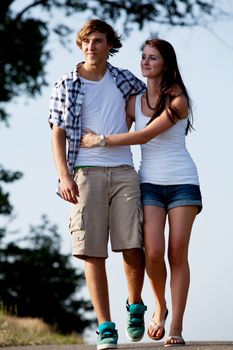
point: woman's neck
(152, 93)
(153, 86)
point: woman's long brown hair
(171, 78)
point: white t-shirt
(165, 159)
(103, 111)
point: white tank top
(103, 111)
(165, 159)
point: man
(101, 183)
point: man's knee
(134, 256)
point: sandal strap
(160, 324)
(175, 337)
(156, 326)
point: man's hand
(69, 189)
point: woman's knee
(154, 256)
(177, 258)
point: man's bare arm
(68, 187)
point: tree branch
(34, 4)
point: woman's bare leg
(180, 225)
(154, 224)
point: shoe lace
(136, 320)
(107, 333)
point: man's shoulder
(122, 71)
(66, 79)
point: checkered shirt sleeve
(57, 105)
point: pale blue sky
(206, 65)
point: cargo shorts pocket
(77, 219)
(77, 231)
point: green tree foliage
(37, 280)
(6, 176)
(6, 208)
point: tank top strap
(138, 107)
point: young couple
(91, 111)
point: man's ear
(110, 46)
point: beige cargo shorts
(108, 207)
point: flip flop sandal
(156, 327)
(178, 341)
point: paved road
(139, 346)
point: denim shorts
(171, 196)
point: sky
(206, 65)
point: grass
(31, 331)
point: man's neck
(92, 72)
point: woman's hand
(89, 139)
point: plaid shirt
(66, 102)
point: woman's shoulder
(175, 91)
(179, 100)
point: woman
(169, 180)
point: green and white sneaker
(135, 327)
(107, 336)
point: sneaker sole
(134, 340)
(107, 346)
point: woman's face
(152, 63)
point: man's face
(95, 48)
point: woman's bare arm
(156, 127)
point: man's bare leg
(97, 284)
(96, 279)
(134, 265)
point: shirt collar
(76, 76)
(113, 70)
